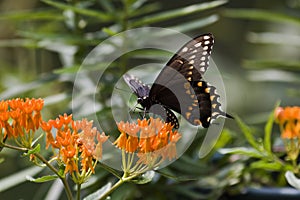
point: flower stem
(118, 184)
(78, 191)
(62, 178)
(40, 157)
(14, 147)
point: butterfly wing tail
(228, 116)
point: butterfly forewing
(179, 80)
(193, 57)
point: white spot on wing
(198, 44)
(202, 64)
(206, 37)
(205, 48)
(192, 57)
(185, 49)
(207, 42)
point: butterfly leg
(144, 113)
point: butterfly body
(180, 86)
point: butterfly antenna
(133, 108)
(123, 90)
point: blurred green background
(42, 44)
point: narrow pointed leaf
(31, 15)
(263, 15)
(242, 151)
(36, 149)
(99, 193)
(42, 179)
(196, 24)
(144, 178)
(247, 133)
(292, 179)
(272, 64)
(88, 12)
(17, 178)
(261, 164)
(268, 131)
(177, 13)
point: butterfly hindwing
(171, 117)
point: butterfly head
(145, 102)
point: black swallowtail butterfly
(180, 86)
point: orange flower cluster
(289, 120)
(148, 136)
(19, 116)
(75, 141)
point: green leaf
(110, 170)
(190, 166)
(247, 133)
(28, 43)
(293, 92)
(176, 177)
(265, 165)
(17, 178)
(196, 24)
(263, 15)
(144, 178)
(32, 15)
(67, 70)
(60, 39)
(274, 76)
(187, 192)
(274, 38)
(42, 179)
(268, 131)
(61, 170)
(20, 88)
(103, 17)
(242, 151)
(272, 64)
(36, 149)
(180, 12)
(292, 179)
(109, 31)
(107, 5)
(2, 143)
(37, 139)
(224, 139)
(144, 10)
(99, 193)
(86, 67)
